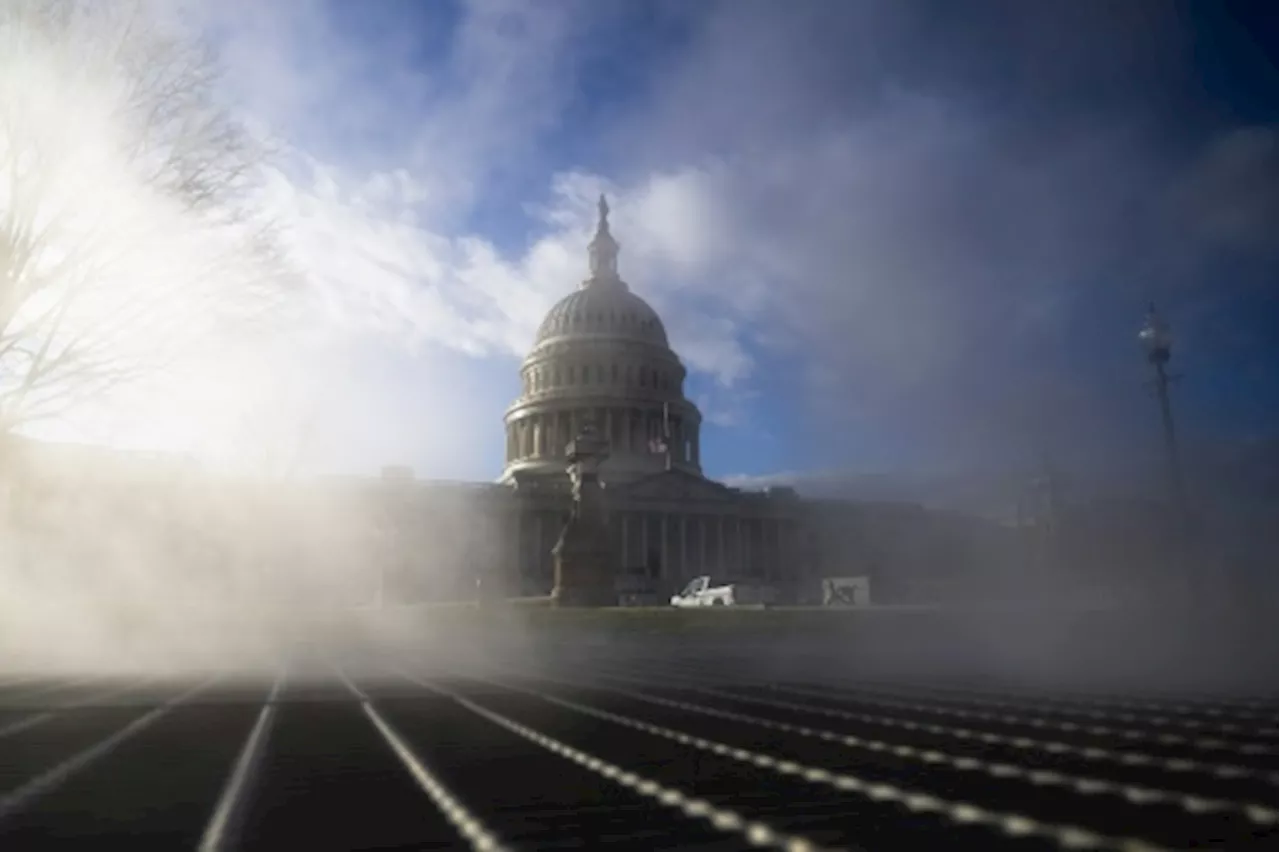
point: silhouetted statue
(584, 554)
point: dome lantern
(603, 249)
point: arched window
(600, 373)
(614, 373)
(556, 378)
(644, 377)
(571, 372)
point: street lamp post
(1157, 340)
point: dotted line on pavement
(1133, 793)
(468, 825)
(1141, 712)
(959, 813)
(28, 722)
(217, 833)
(1090, 753)
(1243, 708)
(1250, 714)
(756, 833)
(1130, 734)
(17, 799)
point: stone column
(517, 546)
(744, 545)
(663, 570)
(537, 545)
(684, 546)
(721, 560)
(626, 541)
(704, 544)
(644, 539)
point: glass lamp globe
(1155, 337)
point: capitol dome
(601, 356)
(603, 310)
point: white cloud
(379, 272)
(902, 237)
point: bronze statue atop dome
(603, 249)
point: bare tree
(129, 218)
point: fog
(125, 569)
(205, 328)
(166, 372)
(148, 566)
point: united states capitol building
(600, 357)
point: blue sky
(884, 236)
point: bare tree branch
(127, 201)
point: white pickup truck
(700, 592)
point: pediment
(676, 485)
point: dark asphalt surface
(634, 751)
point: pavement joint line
(21, 796)
(757, 833)
(1124, 757)
(961, 813)
(225, 819)
(467, 824)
